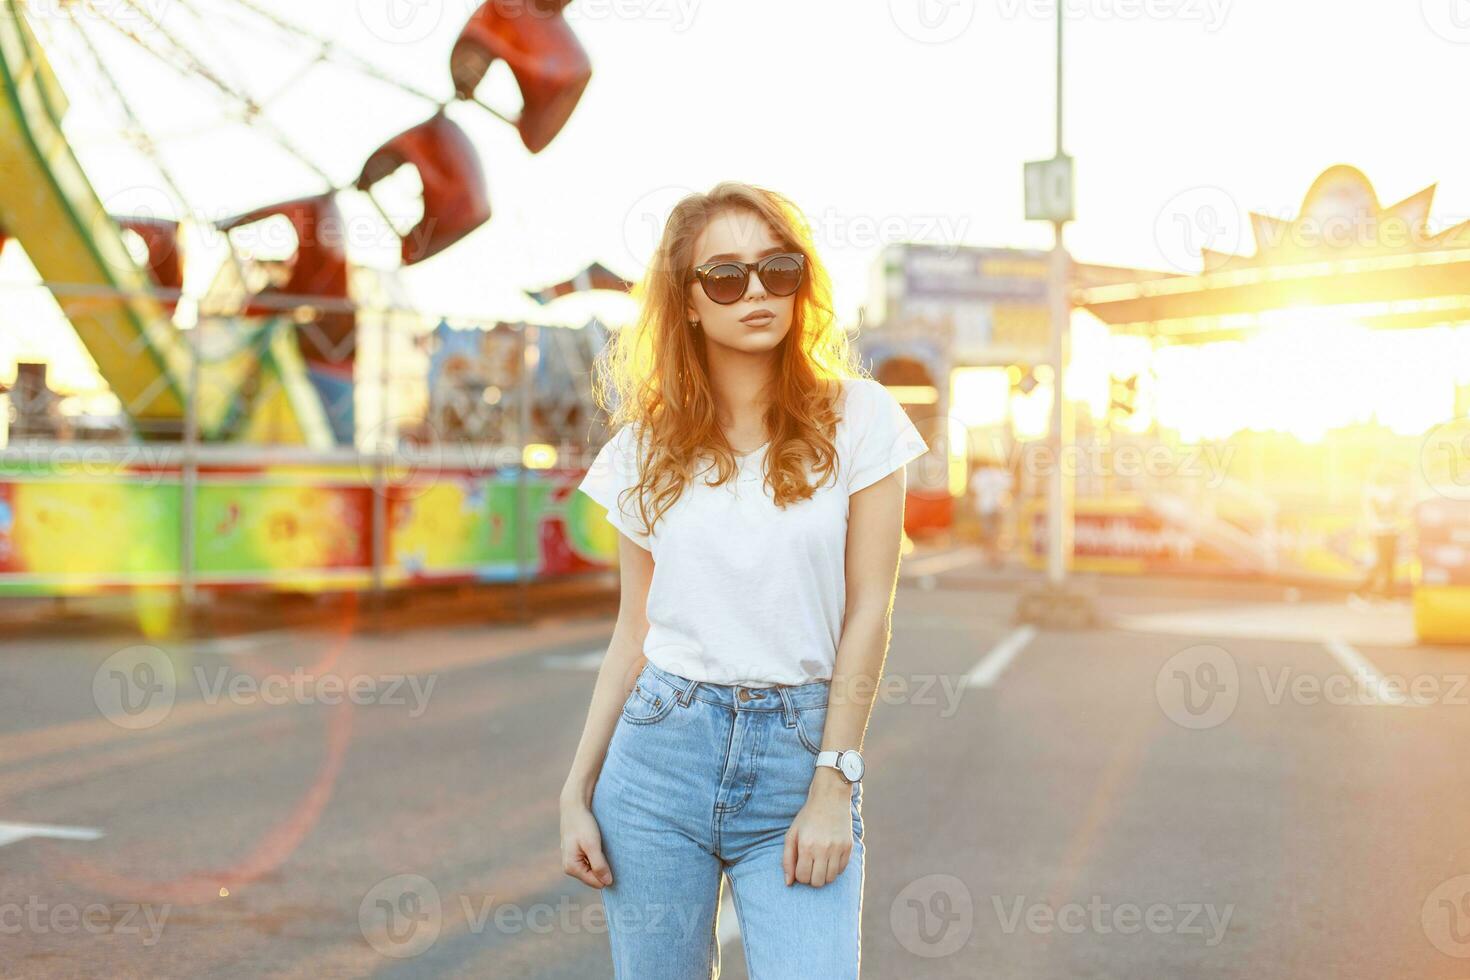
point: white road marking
(1366, 676)
(243, 642)
(1302, 622)
(729, 924)
(993, 664)
(12, 832)
(590, 660)
(945, 561)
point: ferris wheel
(103, 193)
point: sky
(885, 120)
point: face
(744, 236)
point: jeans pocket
(810, 723)
(647, 703)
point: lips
(758, 317)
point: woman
(758, 485)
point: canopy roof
(1376, 265)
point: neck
(739, 380)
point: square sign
(1049, 189)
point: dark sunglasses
(725, 281)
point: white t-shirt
(744, 592)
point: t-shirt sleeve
(883, 436)
(613, 471)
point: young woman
(758, 484)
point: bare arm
(874, 536)
(819, 843)
(617, 674)
(581, 838)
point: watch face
(852, 766)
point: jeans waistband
(781, 697)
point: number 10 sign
(1049, 189)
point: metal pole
(1059, 517)
(1059, 512)
(380, 472)
(1059, 78)
(523, 428)
(189, 474)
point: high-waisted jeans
(703, 780)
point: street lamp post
(1049, 197)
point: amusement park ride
(275, 358)
(238, 364)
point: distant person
(763, 476)
(991, 486)
(1385, 507)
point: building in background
(935, 314)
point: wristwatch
(849, 762)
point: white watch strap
(835, 758)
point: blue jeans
(703, 780)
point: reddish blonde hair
(654, 373)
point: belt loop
(683, 685)
(788, 711)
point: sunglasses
(724, 282)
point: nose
(754, 288)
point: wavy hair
(653, 374)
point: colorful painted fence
(304, 528)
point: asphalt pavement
(1226, 780)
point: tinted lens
(725, 283)
(782, 274)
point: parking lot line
(12, 832)
(1367, 676)
(591, 660)
(993, 664)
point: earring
(694, 324)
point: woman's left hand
(819, 843)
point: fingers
(585, 862)
(814, 864)
(598, 863)
(804, 858)
(819, 869)
(579, 869)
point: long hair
(654, 373)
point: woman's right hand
(581, 845)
